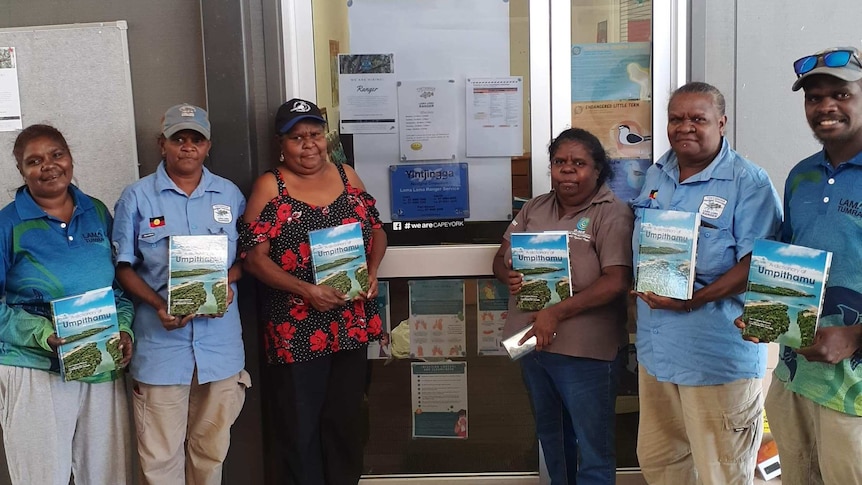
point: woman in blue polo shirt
(54, 243)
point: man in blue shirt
(189, 381)
(699, 381)
(815, 403)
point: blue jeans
(573, 402)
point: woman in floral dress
(315, 337)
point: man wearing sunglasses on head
(814, 404)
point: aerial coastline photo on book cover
(784, 296)
(543, 259)
(198, 275)
(338, 255)
(666, 253)
(89, 325)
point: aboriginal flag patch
(157, 221)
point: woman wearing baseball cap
(315, 336)
(188, 370)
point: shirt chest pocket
(228, 230)
(715, 251)
(152, 240)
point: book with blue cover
(198, 269)
(89, 325)
(543, 259)
(338, 256)
(666, 255)
(784, 296)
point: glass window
(501, 432)
(611, 84)
(472, 59)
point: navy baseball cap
(294, 111)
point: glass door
(505, 76)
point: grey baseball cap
(185, 117)
(852, 71)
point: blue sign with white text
(430, 191)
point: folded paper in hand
(517, 351)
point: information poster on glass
(494, 115)
(439, 397)
(427, 120)
(10, 97)
(623, 127)
(429, 192)
(604, 72)
(379, 349)
(437, 326)
(492, 309)
(367, 93)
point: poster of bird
(623, 127)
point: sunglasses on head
(829, 59)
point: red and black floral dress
(295, 331)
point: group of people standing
(187, 371)
(699, 380)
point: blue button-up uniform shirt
(737, 204)
(147, 213)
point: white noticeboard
(494, 117)
(436, 40)
(427, 120)
(77, 79)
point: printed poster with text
(10, 97)
(437, 327)
(439, 397)
(427, 120)
(492, 310)
(494, 117)
(366, 93)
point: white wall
(747, 48)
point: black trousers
(318, 418)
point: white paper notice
(427, 110)
(10, 98)
(439, 397)
(494, 117)
(367, 93)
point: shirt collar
(824, 160)
(28, 208)
(603, 194)
(720, 168)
